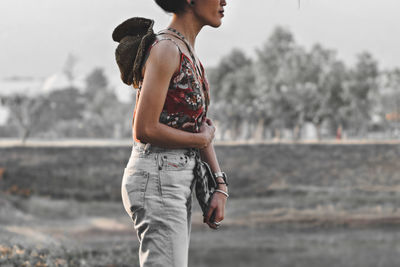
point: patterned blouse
(187, 98)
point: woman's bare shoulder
(164, 54)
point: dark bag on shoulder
(134, 35)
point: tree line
(285, 87)
(71, 112)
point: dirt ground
(313, 205)
(271, 231)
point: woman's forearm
(166, 136)
(208, 155)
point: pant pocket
(133, 189)
(174, 162)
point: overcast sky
(37, 35)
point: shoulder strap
(167, 38)
(153, 44)
(199, 71)
(156, 42)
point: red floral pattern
(187, 98)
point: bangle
(223, 192)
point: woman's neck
(186, 25)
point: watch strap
(221, 174)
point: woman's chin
(216, 24)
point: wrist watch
(221, 174)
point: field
(290, 205)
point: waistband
(147, 148)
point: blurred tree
(26, 113)
(336, 102)
(104, 114)
(300, 86)
(390, 102)
(362, 88)
(96, 82)
(230, 63)
(272, 99)
(231, 84)
(238, 88)
(329, 76)
(69, 67)
(67, 103)
(66, 107)
(287, 86)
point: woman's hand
(207, 128)
(217, 205)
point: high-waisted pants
(156, 190)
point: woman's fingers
(188, 124)
(218, 211)
(220, 214)
(208, 214)
(218, 218)
(209, 122)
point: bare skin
(163, 62)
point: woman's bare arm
(163, 62)
(208, 155)
(217, 204)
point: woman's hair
(172, 6)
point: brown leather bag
(134, 35)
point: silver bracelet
(223, 192)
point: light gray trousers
(156, 190)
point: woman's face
(209, 12)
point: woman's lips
(222, 13)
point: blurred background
(305, 96)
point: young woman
(170, 124)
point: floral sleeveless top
(187, 99)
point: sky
(36, 36)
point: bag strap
(154, 43)
(178, 35)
